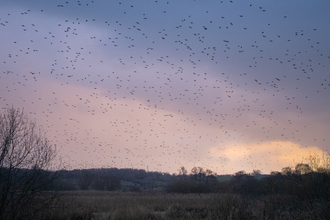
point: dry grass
(157, 205)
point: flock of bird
(161, 84)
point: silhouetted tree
(26, 156)
(244, 183)
(256, 173)
(287, 171)
(182, 171)
(302, 169)
(319, 163)
(198, 175)
(198, 181)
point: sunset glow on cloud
(271, 156)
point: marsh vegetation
(160, 205)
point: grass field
(158, 205)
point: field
(98, 205)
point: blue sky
(225, 85)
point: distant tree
(275, 173)
(198, 174)
(182, 170)
(287, 171)
(197, 170)
(318, 163)
(203, 180)
(99, 183)
(209, 172)
(302, 169)
(256, 173)
(112, 183)
(26, 157)
(84, 179)
(198, 181)
(140, 174)
(240, 175)
(243, 183)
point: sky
(156, 85)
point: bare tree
(287, 171)
(26, 157)
(256, 173)
(301, 169)
(318, 163)
(182, 171)
(209, 172)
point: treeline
(111, 179)
(198, 181)
(299, 187)
(301, 181)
